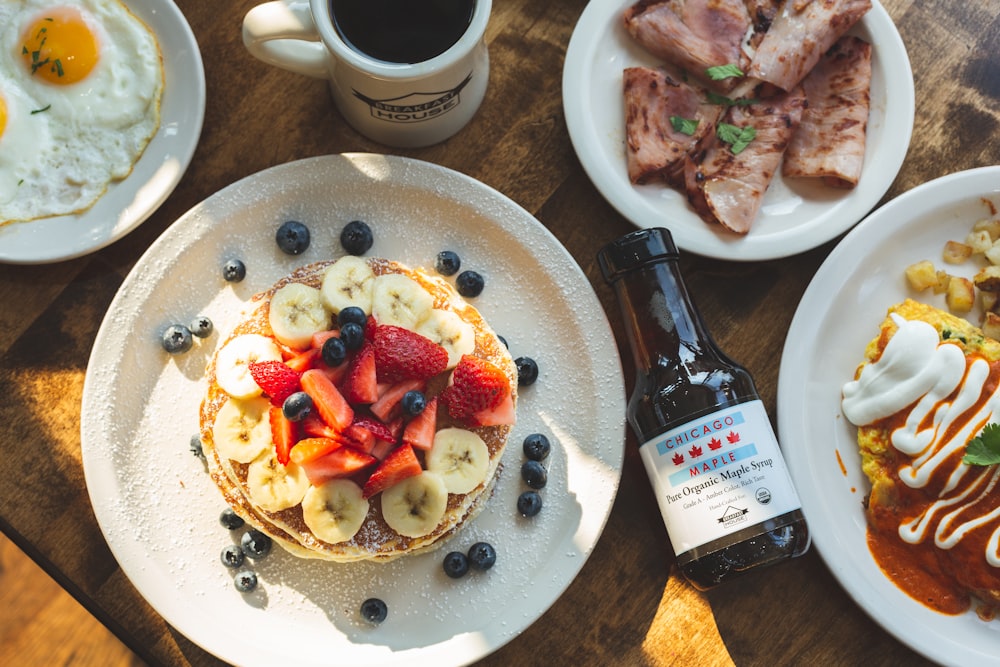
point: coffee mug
(393, 81)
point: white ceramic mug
(397, 104)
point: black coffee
(401, 31)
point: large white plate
(159, 510)
(796, 215)
(840, 312)
(131, 201)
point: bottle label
(718, 474)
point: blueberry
(482, 555)
(297, 406)
(447, 263)
(356, 237)
(504, 341)
(333, 352)
(456, 564)
(201, 327)
(255, 543)
(292, 237)
(230, 519)
(527, 371)
(232, 556)
(353, 335)
(529, 503)
(534, 475)
(536, 446)
(196, 447)
(234, 271)
(413, 402)
(469, 283)
(177, 339)
(245, 580)
(352, 314)
(374, 610)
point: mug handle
(283, 34)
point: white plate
(159, 510)
(795, 215)
(130, 202)
(840, 313)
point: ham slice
(728, 188)
(830, 141)
(799, 35)
(691, 35)
(654, 149)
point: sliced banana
(232, 365)
(273, 486)
(400, 300)
(451, 332)
(415, 506)
(242, 430)
(335, 510)
(296, 313)
(348, 282)
(460, 458)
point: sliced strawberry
(401, 354)
(387, 405)
(361, 438)
(419, 431)
(321, 337)
(310, 449)
(360, 385)
(397, 466)
(375, 427)
(275, 378)
(314, 425)
(283, 433)
(382, 448)
(340, 462)
(370, 326)
(304, 361)
(500, 415)
(332, 407)
(477, 385)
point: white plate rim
(839, 313)
(130, 202)
(598, 51)
(595, 473)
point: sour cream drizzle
(918, 369)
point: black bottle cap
(635, 249)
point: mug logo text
(415, 107)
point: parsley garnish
(684, 125)
(984, 449)
(738, 138)
(720, 72)
(43, 109)
(722, 100)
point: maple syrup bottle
(705, 438)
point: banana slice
(348, 282)
(415, 506)
(232, 365)
(242, 430)
(296, 313)
(460, 458)
(451, 332)
(400, 300)
(335, 510)
(273, 486)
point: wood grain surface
(629, 605)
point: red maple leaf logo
(714, 443)
(695, 451)
(733, 437)
(678, 459)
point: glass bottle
(705, 438)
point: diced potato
(956, 253)
(991, 325)
(988, 278)
(921, 275)
(993, 254)
(988, 300)
(980, 241)
(943, 280)
(961, 295)
(989, 225)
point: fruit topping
(274, 486)
(353, 335)
(341, 462)
(334, 510)
(332, 351)
(332, 407)
(245, 581)
(255, 544)
(374, 610)
(534, 474)
(295, 312)
(242, 429)
(529, 503)
(177, 339)
(482, 556)
(232, 364)
(401, 354)
(310, 449)
(400, 464)
(415, 506)
(477, 387)
(292, 237)
(536, 446)
(232, 556)
(469, 283)
(419, 431)
(447, 262)
(348, 283)
(379, 429)
(460, 458)
(414, 402)
(527, 371)
(196, 447)
(352, 315)
(283, 433)
(234, 271)
(455, 564)
(275, 378)
(361, 383)
(230, 519)
(389, 403)
(356, 237)
(201, 326)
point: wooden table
(629, 605)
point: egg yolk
(3, 115)
(60, 47)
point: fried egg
(80, 89)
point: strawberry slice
(275, 378)
(283, 433)
(387, 405)
(304, 361)
(477, 386)
(502, 414)
(361, 438)
(419, 431)
(340, 462)
(360, 386)
(332, 407)
(314, 425)
(321, 337)
(310, 449)
(401, 354)
(382, 448)
(396, 467)
(375, 427)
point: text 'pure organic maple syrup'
(705, 438)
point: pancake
(374, 539)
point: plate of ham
(752, 129)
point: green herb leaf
(722, 100)
(738, 138)
(42, 110)
(984, 449)
(720, 72)
(684, 125)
